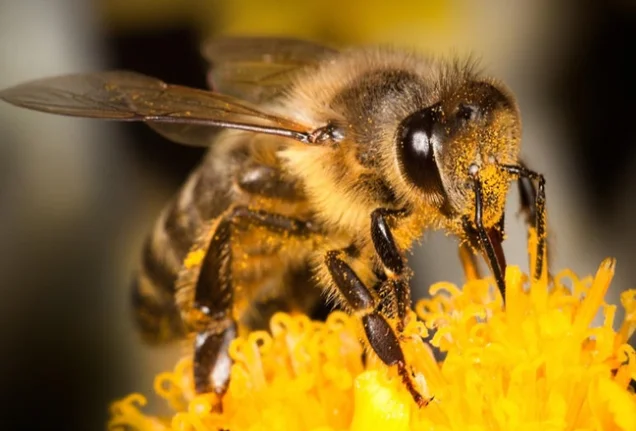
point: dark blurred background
(77, 197)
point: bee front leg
(528, 197)
(470, 242)
(533, 207)
(392, 260)
(377, 329)
(213, 294)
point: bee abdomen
(153, 297)
(156, 314)
(153, 300)
(158, 321)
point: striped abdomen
(201, 198)
(267, 275)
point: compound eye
(417, 137)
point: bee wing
(185, 115)
(256, 69)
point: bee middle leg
(362, 300)
(213, 295)
(379, 334)
(392, 261)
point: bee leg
(392, 260)
(213, 299)
(530, 205)
(395, 299)
(268, 181)
(488, 240)
(533, 206)
(540, 227)
(528, 197)
(403, 299)
(377, 329)
(213, 296)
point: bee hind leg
(213, 295)
(216, 326)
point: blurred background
(77, 196)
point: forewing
(180, 113)
(257, 69)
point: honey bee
(324, 167)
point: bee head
(448, 150)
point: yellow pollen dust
(495, 189)
(194, 258)
(539, 363)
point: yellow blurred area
(334, 20)
(496, 30)
(367, 22)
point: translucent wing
(182, 114)
(256, 69)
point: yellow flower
(536, 364)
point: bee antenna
(535, 206)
